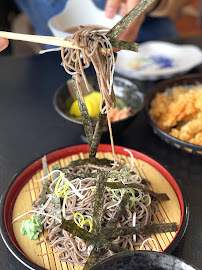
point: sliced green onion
(133, 197)
(149, 200)
(57, 187)
(81, 224)
(63, 204)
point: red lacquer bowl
(9, 198)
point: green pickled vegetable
(31, 227)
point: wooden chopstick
(44, 40)
(39, 39)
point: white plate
(158, 60)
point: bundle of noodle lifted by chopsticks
(95, 48)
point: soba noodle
(94, 47)
(74, 249)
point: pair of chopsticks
(55, 41)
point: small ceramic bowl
(125, 89)
(139, 260)
(77, 12)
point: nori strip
(99, 201)
(107, 233)
(145, 182)
(124, 45)
(71, 227)
(87, 124)
(101, 237)
(115, 32)
(92, 259)
(45, 183)
(86, 161)
(55, 201)
(114, 185)
(97, 134)
(99, 240)
(140, 229)
(120, 210)
(159, 196)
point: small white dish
(158, 60)
(79, 12)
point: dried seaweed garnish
(98, 240)
(120, 185)
(92, 259)
(87, 124)
(93, 138)
(124, 45)
(71, 227)
(86, 161)
(101, 237)
(55, 200)
(99, 201)
(119, 212)
(97, 134)
(45, 183)
(115, 32)
(141, 229)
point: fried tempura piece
(178, 90)
(160, 104)
(198, 103)
(189, 130)
(180, 112)
(197, 139)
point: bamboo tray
(23, 190)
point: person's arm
(3, 44)
(159, 8)
(168, 8)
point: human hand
(123, 7)
(3, 43)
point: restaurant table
(30, 127)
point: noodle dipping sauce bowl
(126, 92)
(139, 260)
(77, 12)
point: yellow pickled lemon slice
(92, 103)
(95, 96)
(91, 107)
(74, 109)
(95, 99)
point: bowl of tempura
(174, 110)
